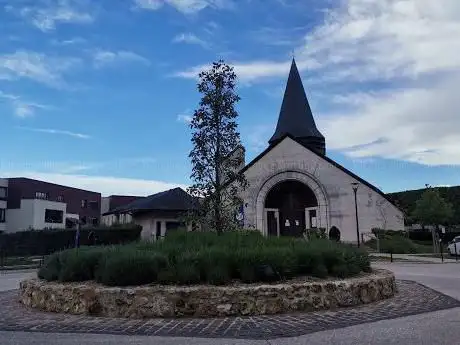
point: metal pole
(356, 214)
(455, 247)
(442, 254)
(77, 236)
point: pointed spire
(296, 118)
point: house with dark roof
(294, 185)
(112, 202)
(158, 214)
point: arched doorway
(334, 234)
(290, 207)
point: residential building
(160, 213)
(34, 204)
(113, 202)
(3, 199)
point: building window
(60, 198)
(3, 192)
(94, 205)
(41, 195)
(84, 203)
(173, 226)
(2, 215)
(54, 216)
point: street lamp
(355, 186)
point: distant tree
(215, 140)
(432, 209)
(407, 201)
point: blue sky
(97, 94)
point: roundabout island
(206, 301)
(204, 275)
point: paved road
(437, 328)
(441, 277)
(9, 280)
(441, 327)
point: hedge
(416, 235)
(426, 236)
(44, 242)
(203, 257)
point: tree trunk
(218, 199)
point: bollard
(391, 256)
(442, 254)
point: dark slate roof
(171, 200)
(296, 118)
(116, 201)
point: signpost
(440, 247)
(77, 236)
(240, 216)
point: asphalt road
(9, 280)
(442, 327)
(441, 277)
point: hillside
(406, 200)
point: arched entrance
(290, 207)
(334, 234)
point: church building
(294, 186)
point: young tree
(432, 209)
(215, 166)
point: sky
(98, 94)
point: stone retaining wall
(206, 301)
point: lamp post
(355, 186)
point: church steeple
(296, 118)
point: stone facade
(288, 160)
(206, 301)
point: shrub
(191, 258)
(79, 264)
(218, 275)
(395, 244)
(187, 273)
(50, 269)
(124, 267)
(45, 242)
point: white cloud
(47, 14)
(253, 71)
(257, 137)
(190, 38)
(106, 185)
(184, 6)
(185, 117)
(24, 109)
(418, 124)
(57, 131)
(105, 58)
(71, 41)
(39, 67)
(399, 61)
(400, 42)
(20, 107)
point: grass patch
(203, 257)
